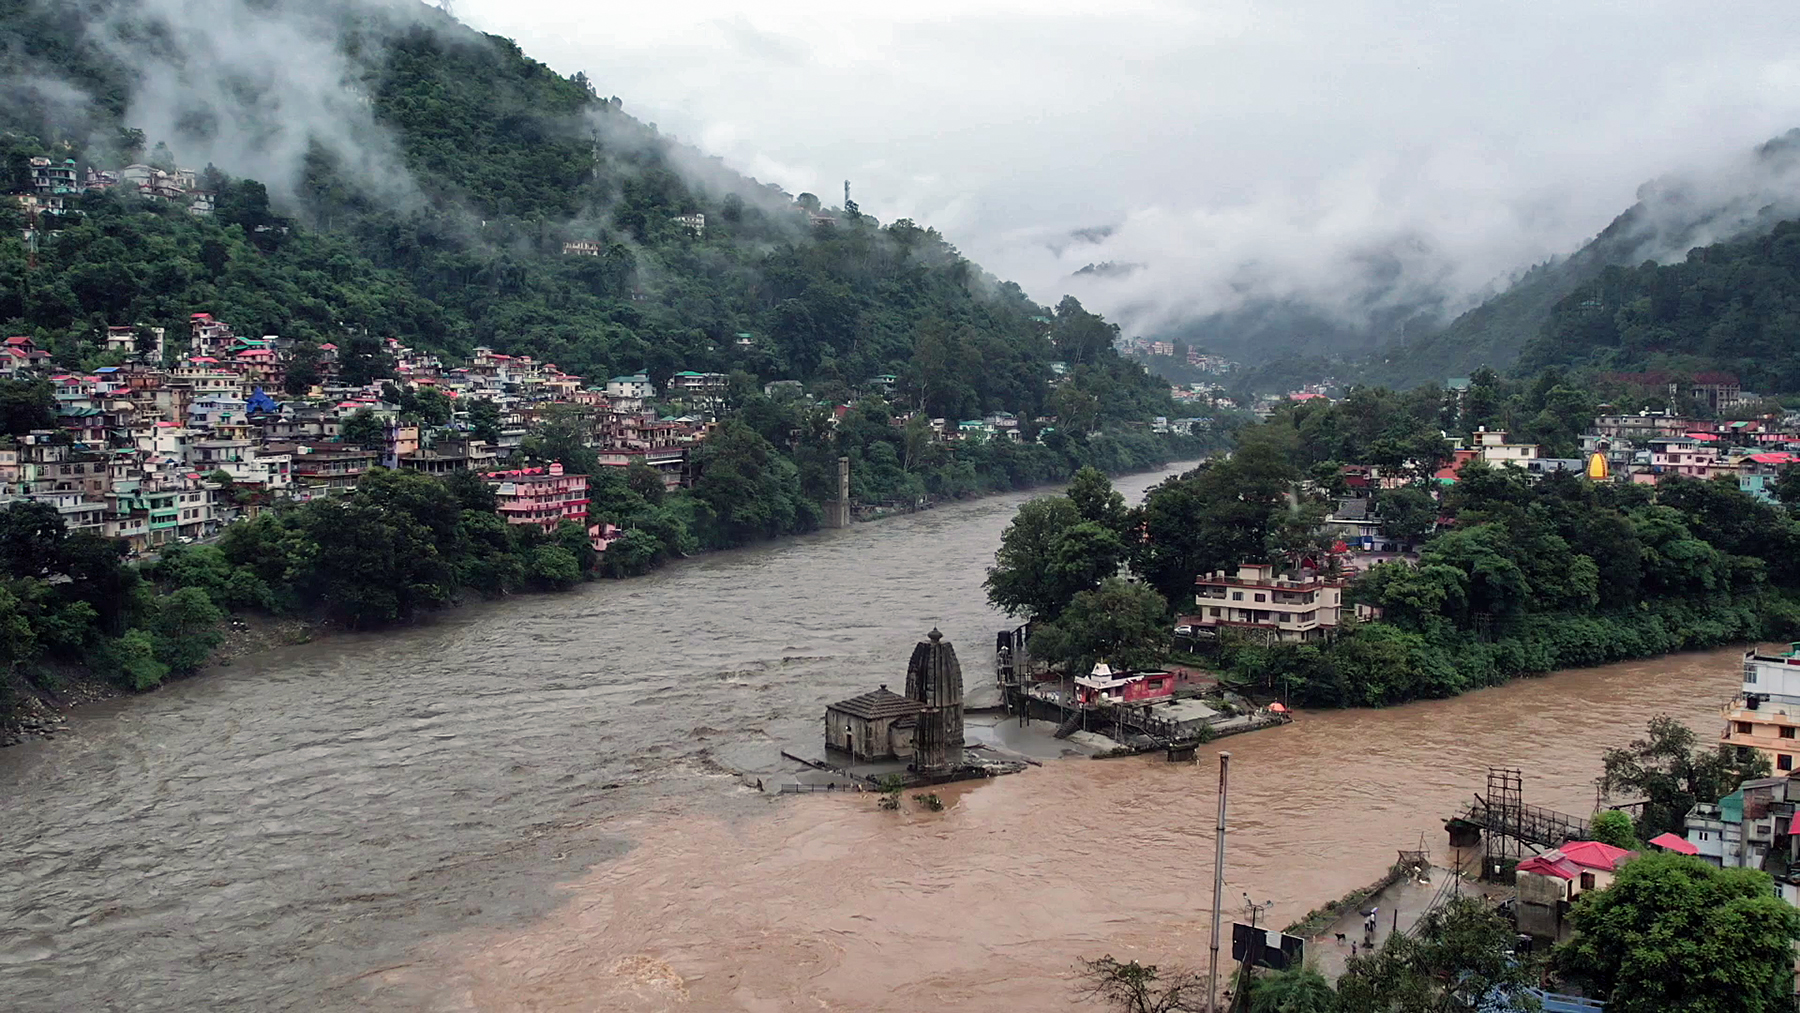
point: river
(537, 804)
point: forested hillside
(1733, 306)
(1670, 217)
(446, 229)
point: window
(1787, 731)
(1784, 762)
(1587, 881)
(1745, 728)
(1262, 597)
(1237, 596)
(1215, 613)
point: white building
(637, 385)
(1495, 450)
(1280, 606)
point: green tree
(1300, 990)
(1673, 773)
(1673, 934)
(555, 567)
(645, 481)
(1407, 514)
(1048, 555)
(186, 629)
(1124, 624)
(1097, 501)
(26, 405)
(1457, 958)
(363, 428)
(1615, 828)
(484, 421)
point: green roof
(1731, 807)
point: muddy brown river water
(536, 805)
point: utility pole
(1212, 967)
(1250, 951)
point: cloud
(1346, 154)
(252, 86)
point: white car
(1184, 630)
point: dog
(1340, 939)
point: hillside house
(689, 384)
(695, 224)
(541, 497)
(1491, 445)
(637, 386)
(582, 248)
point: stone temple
(934, 679)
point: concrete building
(1104, 686)
(1548, 884)
(1493, 449)
(1278, 606)
(874, 726)
(1765, 714)
(542, 497)
(637, 385)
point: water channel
(537, 805)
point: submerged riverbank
(831, 903)
(397, 820)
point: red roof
(328, 346)
(1544, 865)
(1670, 842)
(1569, 860)
(1595, 855)
(1703, 437)
(18, 339)
(1773, 457)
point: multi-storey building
(541, 497)
(1277, 606)
(1765, 714)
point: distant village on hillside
(152, 453)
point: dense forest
(1733, 306)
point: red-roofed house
(22, 353)
(1549, 883)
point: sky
(1235, 150)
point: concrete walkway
(1408, 897)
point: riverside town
(467, 548)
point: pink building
(1104, 685)
(544, 497)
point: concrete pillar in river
(934, 678)
(837, 515)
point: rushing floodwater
(535, 805)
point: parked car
(1184, 630)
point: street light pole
(1212, 967)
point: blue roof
(107, 369)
